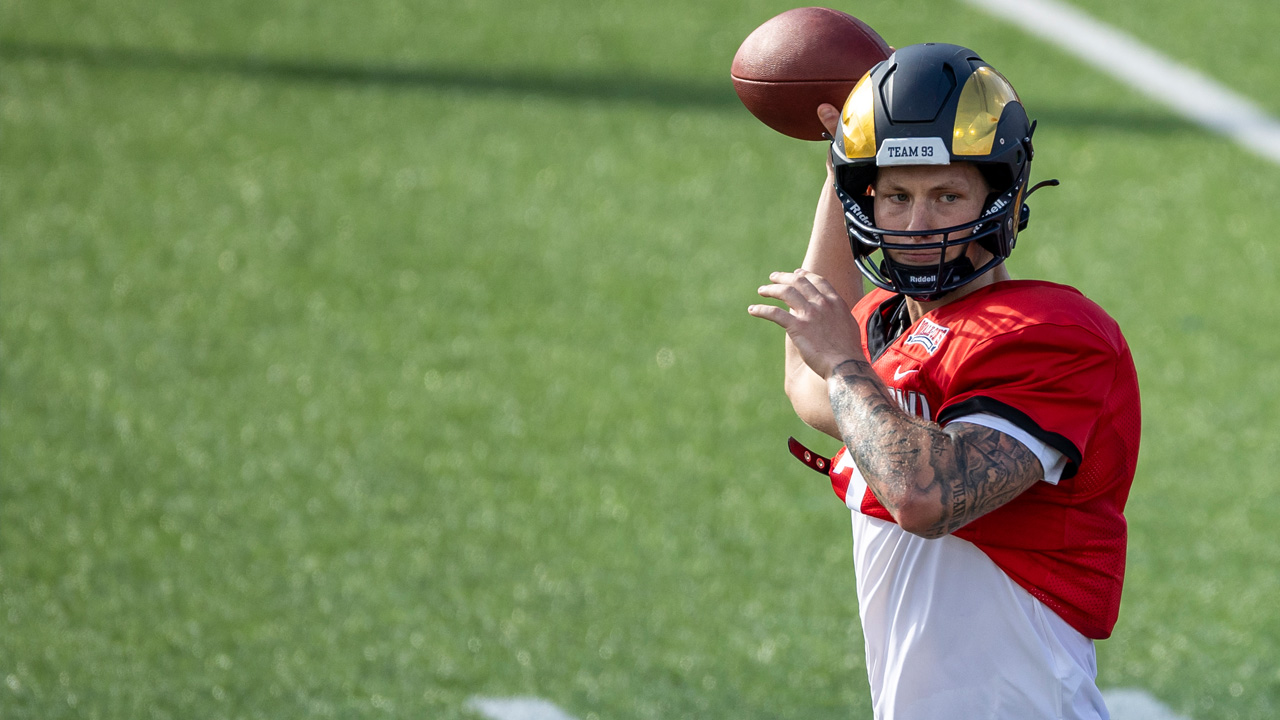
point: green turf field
(360, 358)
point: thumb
(830, 117)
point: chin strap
(1026, 209)
(1043, 183)
(918, 281)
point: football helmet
(933, 104)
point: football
(800, 59)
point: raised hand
(816, 318)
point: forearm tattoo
(963, 471)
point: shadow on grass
(624, 87)
(620, 87)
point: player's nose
(922, 221)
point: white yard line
(517, 708)
(1127, 704)
(1188, 92)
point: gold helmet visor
(858, 121)
(978, 112)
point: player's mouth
(907, 257)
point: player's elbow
(920, 517)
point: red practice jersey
(1053, 363)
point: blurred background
(357, 359)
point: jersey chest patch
(928, 335)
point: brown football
(800, 59)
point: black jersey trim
(976, 405)
(886, 324)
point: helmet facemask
(994, 231)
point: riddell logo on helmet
(851, 208)
(996, 207)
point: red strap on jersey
(816, 462)
(821, 464)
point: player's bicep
(991, 468)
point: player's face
(929, 197)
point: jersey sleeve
(1051, 461)
(1051, 381)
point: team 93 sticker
(913, 151)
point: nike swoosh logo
(900, 373)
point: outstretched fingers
(808, 296)
(820, 284)
(816, 318)
(792, 288)
(773, 313)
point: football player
(990, 425)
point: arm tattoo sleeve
(958, 473)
